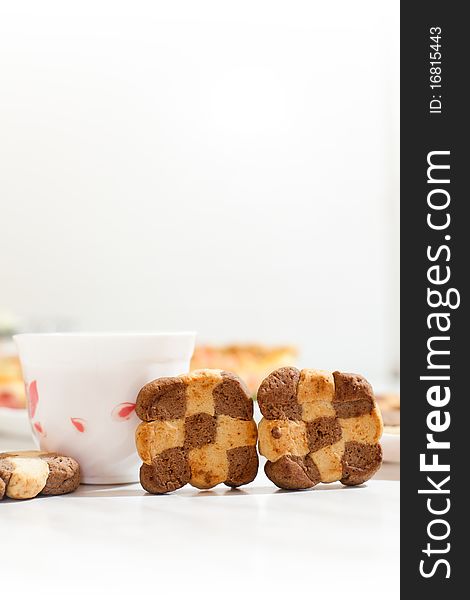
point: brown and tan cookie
(318, 427)
(197, 428)
(26, 474)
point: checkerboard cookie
(318, 427)
(26, 474)
(197, 428)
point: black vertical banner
(435, 250)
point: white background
(229, 167)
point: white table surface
(118, 541)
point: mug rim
(103, 348)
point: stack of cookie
(199, 429)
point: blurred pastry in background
(12, 394)
(12, 391)
(390, 408)
(251, 362)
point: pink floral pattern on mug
(33, 397)
(123, 412)
(79, 424)
(39, 429)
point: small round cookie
(26, 474)
(197, 428)
(318, 427)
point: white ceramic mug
(82, 389)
